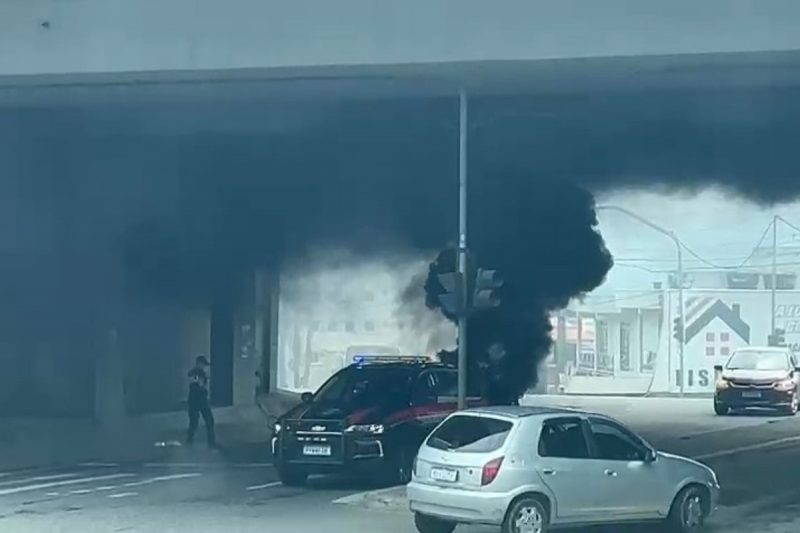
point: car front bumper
(458, 505)
(744, 398)
(351, 454)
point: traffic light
(486, 284)
(778, 338)
(452, 299)
(677, 329)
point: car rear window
(475, 434)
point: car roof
(524, 411)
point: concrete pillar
(109, 404)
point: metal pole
(682, 307)
(462, 246)
(774, 272)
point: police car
(370, 417)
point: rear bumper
(738, 398)
(458, 505)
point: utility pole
(682, 306)
(462, 245)
(774, 286)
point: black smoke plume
(544, 243)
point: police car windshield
(756, 360)
(365, 386)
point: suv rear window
(475, 434)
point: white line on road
(37, 478)
(360, 496)
(52, 494)
(748, 448)
(161, 478)
(203, 465)
(265, 485)
(38, 486)
(105, 488)
(123, 495)
(81, 491)
(102, 465)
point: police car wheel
(292, 477)
(401, 468)
(429, 524)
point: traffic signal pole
(462, 246)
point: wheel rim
(692, 511)
(529, 520)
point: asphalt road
(757, 459)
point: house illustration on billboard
(719, 323)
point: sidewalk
(244, 430)
(762, 516)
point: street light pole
(681, 303)
(774, 273)
(462, 246)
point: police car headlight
(372, 429)
(277, 427)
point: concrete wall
(106, 36)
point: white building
(636, 351)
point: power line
(729, 267)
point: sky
(721, 228)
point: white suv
(530, 469)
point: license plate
(751, 394)
(444, 474)
(319, 451)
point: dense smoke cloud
(101, 208)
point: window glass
(563, 437)
(615, 443)
(465, 433)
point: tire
(429, 524)
(688, 511)
(399, 468)
(291, 477)
(721, 409)
(530, 509)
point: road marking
(105, 488)
(81, 491)
(204, 465)
(37, 478)
(360, 496)
(102, 465)
(161, 478)
(748, 448)
(123, 495)
(265, 485)
(52, 484)
(52, 494)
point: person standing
(198, 402)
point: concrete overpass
(150, 73)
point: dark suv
(757, 378)
(369, 417)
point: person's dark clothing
(199, 406)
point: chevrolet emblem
(318, 428)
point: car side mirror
(797, 369)
(718, 368)
(306, 397)
(651, 456)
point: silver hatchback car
(530, 469)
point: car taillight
(490, 471)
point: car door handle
(610, 473)
(549, 472)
